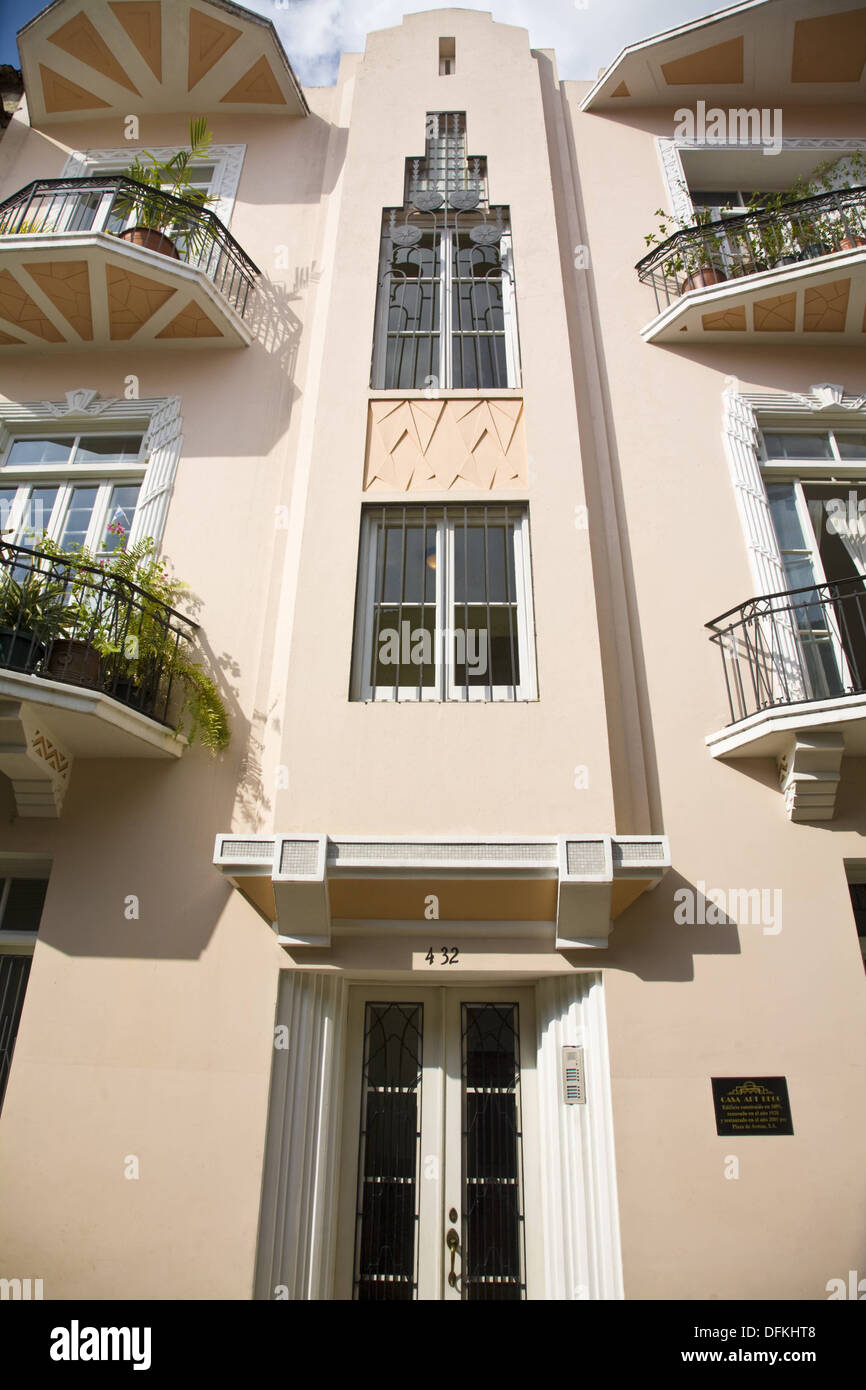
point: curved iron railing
(754, 242)
(73, 622)
(109, 203)
(793, 646)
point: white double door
(439, 1194)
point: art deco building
(509, 949)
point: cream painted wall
(689, 1002)
(154, 1037)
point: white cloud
(586, 34)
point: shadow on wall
(132, 874)
(658, 937)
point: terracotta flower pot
(152, 239)
(705, 275)
(852, 241)
(75, 662)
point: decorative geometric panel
(728, 320)
(621, 91)
(259, 84)
(209, 40)
(191, 322)
(826, 307)
(81, 40)
(420, 444)
(67, 285)
(776, 315)
(143, 24)
(721, 63)
(17, 306)
(132, 300)
(830, 47)
(62, 95)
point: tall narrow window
(447, 57)
(21, 900)
(446, 313)
(444, 605)
(386, 1241)
(493, 1218)
(857, 889)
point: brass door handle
(452, 1240)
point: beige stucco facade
(151, 1036)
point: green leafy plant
(701, 250)
(126, 623)
(34, 603)
(156, 177)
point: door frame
(441, 1109)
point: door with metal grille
(439, 1171)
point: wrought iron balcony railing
(72, 622)
(746, 245)
(112, 204)
(793, 646)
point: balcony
(796, 275)
(77, 270)
(88, 669)
(794, 666)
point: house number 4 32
(447, 955)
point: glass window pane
(30, 451)
(24, 904)
(7, 501)
(798, 446)
(121, 510)
(405, 652)
(386, 1237)
(37, 512)
(783, 509)
(108, 448)
(78, 516)
(486, 653)
(851, 446)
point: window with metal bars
(446, 167)
(446, 314)
(444, 604)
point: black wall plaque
(752, 1105)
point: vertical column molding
(579, 1195)
(297, 1227)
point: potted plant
(159, 224)
(142, 658)
(695, 259)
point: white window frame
(158, 418)
(445, 688)
(66, 477)
(226, 159)
(446, 318)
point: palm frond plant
(155, 213)
(33, 612)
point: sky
(586, 34)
